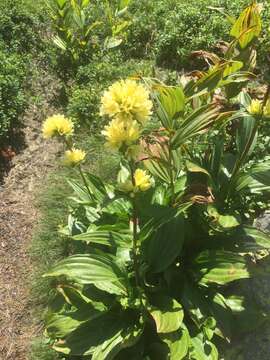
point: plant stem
(85, 182)
(135, 231)
(69, 146)
(171, 172)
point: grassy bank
(48, 245)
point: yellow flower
(74, 157)
(120, 132)
(57, 125)
(127, 100)
(266, 110)
(255, 108)
(142, 181)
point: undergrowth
(48, 245)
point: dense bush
(170, 30)
(12, 99)
(19, 27)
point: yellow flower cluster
(127, 100)
(255, 107)
(57, 125)
(74, 157)
(142, 181)
(120, 132)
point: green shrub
(159, 253)
(90, 81)
(12, 98)
(19, 26)
(170, 30)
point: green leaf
(244, 135)
(96, 187)
(178, 343)
(99, 270)
(112, 42)
(118, 206)
(59, 325)
(171, 101)
(220, 267)
(223, 316)
(248, 25)
(247, 239)
(80, 191)
(226, 222)
(106, 237)
(192, 167)
(232, 67)
(60, 43)
(102, 338)
(167, 313)
(163, 247)
(157, 169)
(211, 78)
(193, 124)
(127, 337)
(202, 350)
(123, 4)
(256, 178)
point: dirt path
(18, 217)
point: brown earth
(18, 217)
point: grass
(48, 246)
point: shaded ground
(17, 219)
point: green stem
(69, 146)
(135, 231)
(171, 173)
(135, 239)
(85, 182)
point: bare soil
(18, 216)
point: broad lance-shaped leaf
(248, 25)
(167, 313)
(220, 267)
(247, 239)
(163, 247)
(193, 124)
(171, 101)
(244, 134)
(127, 337)
(100, 270)
(257, 178)
(201, 304)
(195, 168)
(80, 191)
(59, 325)
(102, 338)
(109, 238)
(96, 186)
(178, 343)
